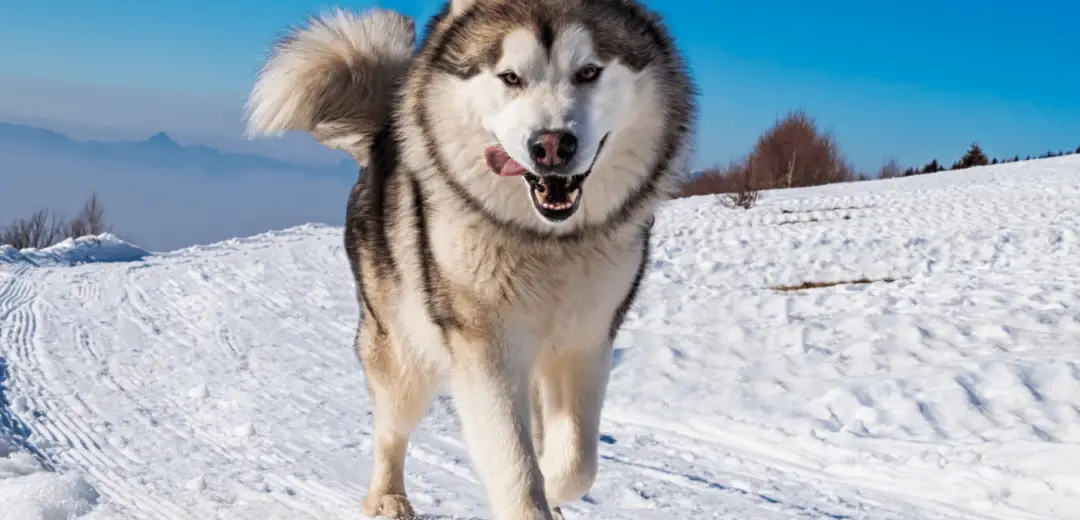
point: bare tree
(792, 153)
(795, 153)
(41, 229)
(890, 169)
(44, 228)
(90, 220)
(791, 166)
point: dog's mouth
(555, 197)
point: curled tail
(334, 78)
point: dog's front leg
(490, 385)
(571, 387)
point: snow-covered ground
(219, 382)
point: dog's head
(550, 112)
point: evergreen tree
(973, 157)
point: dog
(511, 165)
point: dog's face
(544, 110)
(549, 107)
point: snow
(218, 381)
(102, 248)
(28, 493)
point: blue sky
(912, 80)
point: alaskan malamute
(500, 226)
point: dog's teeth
(573, 195)
(555, 205)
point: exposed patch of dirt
(818, 285)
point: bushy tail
(334, 78)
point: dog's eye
(510, 78)
(587, 74)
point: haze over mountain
(167, 194)
(159, 151)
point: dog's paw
(395, 507)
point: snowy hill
(218, 381)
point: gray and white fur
(499, 230)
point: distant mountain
(158, 152)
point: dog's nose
(552, 149)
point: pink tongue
(500, 162)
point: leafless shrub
(794, 153)
(747, 186)
(890, 169)
(41, 229)
(736, 185)
(44, 228)
(90, 220)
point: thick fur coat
(499, 229)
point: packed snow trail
(219, 381)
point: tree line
(44, 228)
(794, 153)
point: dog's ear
(460, 6)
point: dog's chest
(570, 286)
